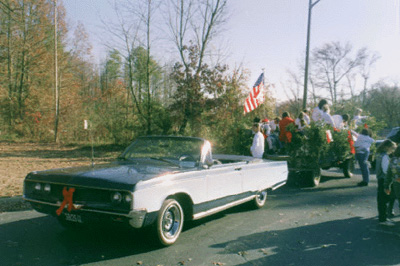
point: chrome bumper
(136, 217)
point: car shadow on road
(353, 241)
(42, 241)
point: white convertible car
(158, 180)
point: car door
(224, 183)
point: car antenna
(87, 126)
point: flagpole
(310, 6)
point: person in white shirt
(300, 121)
(257, 148)
(362, 145)
(274, 125)
(266, 127)
(306, 116)
(317, 111)
(341, 121)
(326, 117)
(358, 118)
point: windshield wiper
(166, 161)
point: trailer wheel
(312, 178)
(348, 167)
(292, 179)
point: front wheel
(169, 222)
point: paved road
(333, 224)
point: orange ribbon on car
(68, 194)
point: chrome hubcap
(171, 221)
(261, 196)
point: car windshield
(165, 148)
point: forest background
(49, 83)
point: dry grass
(18, 159)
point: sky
(270, 35)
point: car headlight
(128, 198)
(38, 186)
(116, 197)
(47, 188)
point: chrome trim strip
(276, 186)
(222, 208)
(95, 211)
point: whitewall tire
(169, 222)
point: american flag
(256, 96)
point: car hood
(117, 175)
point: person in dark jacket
(392, 181)
(382, 166)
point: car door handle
(238, 169)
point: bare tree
(332, 62)
(125, 38)
(193, 25)
(295, 87)
(365, 71)
(146, 14)
(383, 102)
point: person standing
(257, 148)
(362, 146)
(382, 166)
(392, 181)
(358, 118)
(326, 116)
(341, 121)
(317, 111)
(286, 120)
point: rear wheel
(169, 222)
(260, 199)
